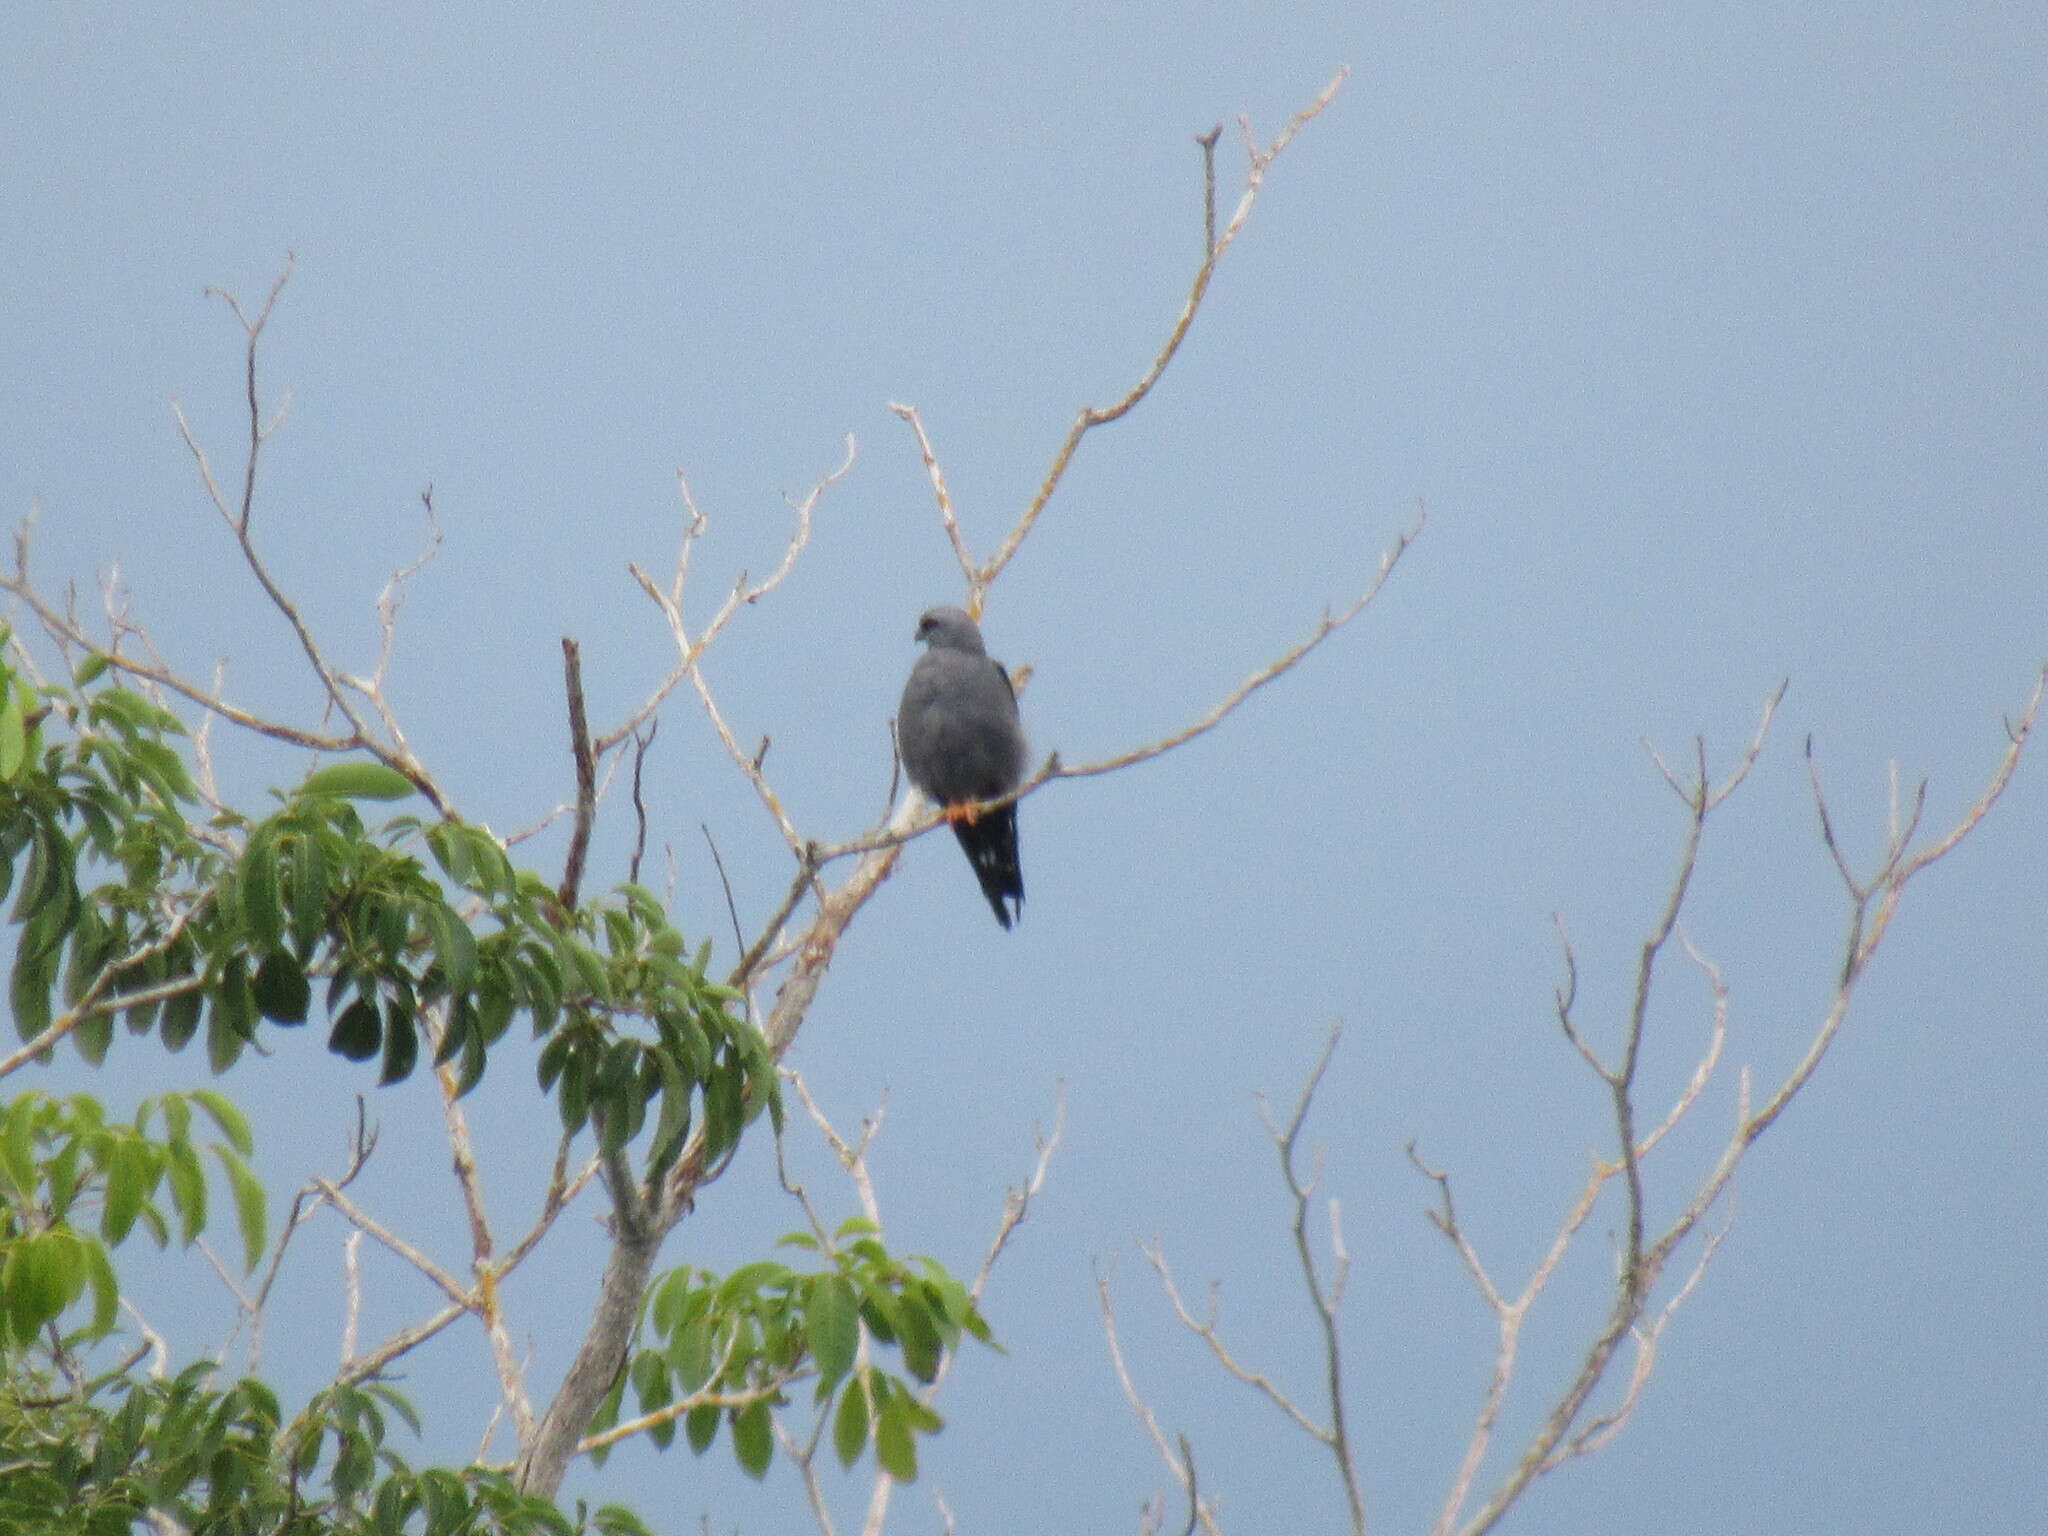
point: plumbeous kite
(962, 741)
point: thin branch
(362, 1144)
(238, 518)
(1204, 1328)
(691, 651)
(670, 601)
(94, 1001)
(1324, 1300)
(1017, 1202)
(1091, 417)
(586, 777)
(1208, 143)
(483, 1265)
(738, 940)
(641, 745)
(1130, 1388)
(352, 1292)
(947, 519)
(355, 1214)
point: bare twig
(738, 939)
(1208, 143)
(1258, 161)
(670, 600)
(947, 519)
(586, 777)
(642, 742)
(1180, 1467)
(238, 517)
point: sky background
(1712, 340)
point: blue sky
(1712, 343)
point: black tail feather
(990, 843)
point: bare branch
(1017, 1202)
(586, 776)
(1204, 1328)
(1872, 902)
(1130, 1388)
(641, 745)
(1208, 143)
(738, 940)
(671, 601)
(947, 518)
(1091, 417)
(393, 754)
(482, 1257)
(448, 1284)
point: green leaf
(177, 1117)
(834, 1318)
(358, 1032)
(106, 1291)
(850, 1423)
(29, 991)
(256, 885)
(451, 852)
(472, 1063)
(743, 1282)
(231, 1022)
(13, 734)
(130, 712)
(181, 1020)
(401, 1044)
(309, 890)
(649, 1373)
(188, 1188)
(753, 1439)
(674, 1123)
(589, 968)
(35, 1279)
(89, 670)
(455, 1030)
(700, 1426)
(162, 769)
(92, 1037)
(689, 1352)
(894, 1447)
(358, 781)
(223, 1112)
(249, 1204)
(281, 992)
(918, 1336)
(353, 1467)
(131, 1171)
(453, 943)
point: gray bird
(962, 742)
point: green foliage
(413, 934)
(724, 1349)
(93, 1462)
(75, 1185)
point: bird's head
(950, 629)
